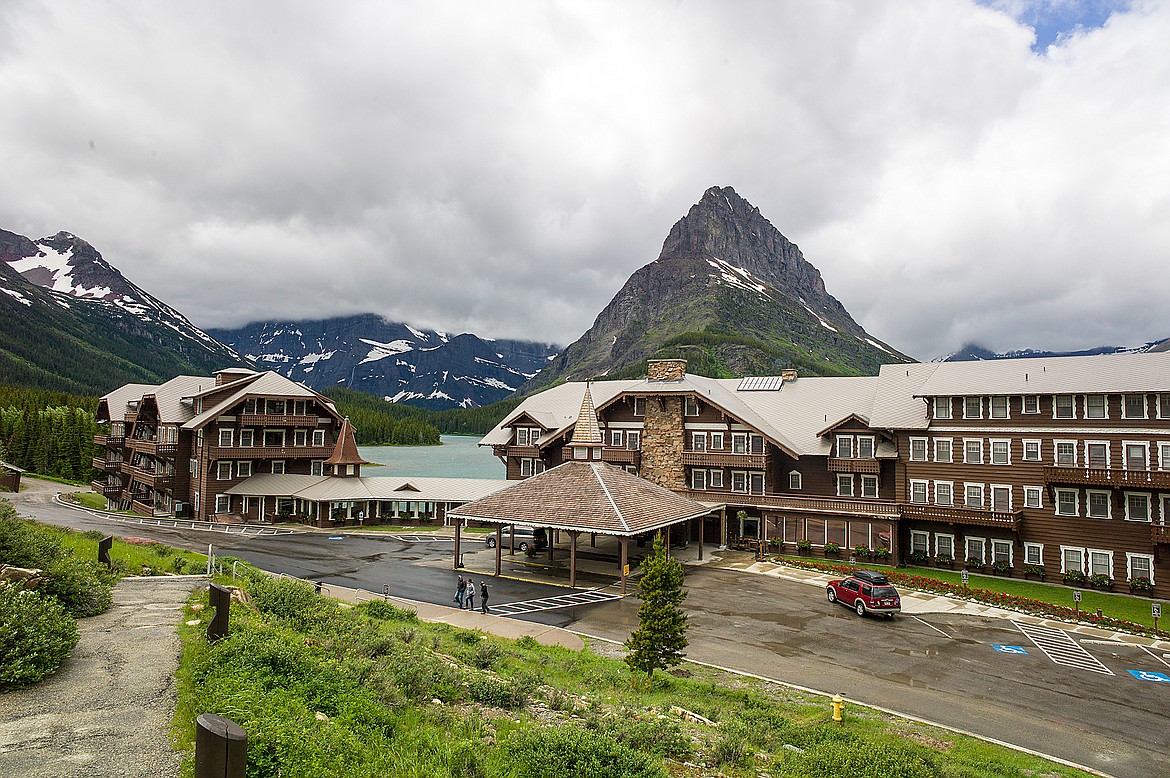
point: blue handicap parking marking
(337, 537)
(1149, 675)
(1010, 649)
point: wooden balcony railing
(142, 508)
(782, 502)
(149, 477)
(509, 450)
(107, 465)
(106, 489)
(1107, 476)
(621, 456)
(854, 465)
(109, 441)
(270, 452)
(1009, 520)
(1160, 533)
(278, 420)
(725, 459)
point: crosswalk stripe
(553, 603)
(1058, 645)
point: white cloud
(503, 168)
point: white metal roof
(1103, 373)
(895, 405)
(317, 488)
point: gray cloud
(502, 168)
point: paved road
(939, 667)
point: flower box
(975, 564)
(1034, 571)
(880, 554)
(1001, 568)
(1101, 581)
(804, 546)
(1141, 585)
(918, 558)
(861, 552)
(832, 550)
(944, 560)
(1075, 578)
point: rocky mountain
(972, 352)
(733, 296)
(425, 368)
(70, 321)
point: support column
(573, 558)
(499, 537)
(512, 539)
(592, 539)
(723, 527)
(624, 560)
(666, 540)
(554, 534)
(702, 524)
(458, 525)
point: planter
(1037, 576)
(945, 561)
(832, 551)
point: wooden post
(723, 528)
(573, 558)
(221, 747)
(512, 539)
(666, 541)
(593, 540)
(104, 546)
(220, 599)
(499, 537)
(458, 525)
(554, 534)
(625, 560)
(702, 522)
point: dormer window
(274, 407)
(864, 447)
(250, 405)
(844, 446)
(690, 406)
(639, 406)
(942, 407)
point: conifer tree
(661, 636)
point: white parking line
(927, 623)
(1058, 645)
(553, 603)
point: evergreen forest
(48, 432)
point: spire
(587, 432)
(345, 451)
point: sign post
(1077, 601)
(965, 576)
(1156, 609)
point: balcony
(106, 489)
(107, 465)
(269, 452)
(152, 447)
(109, 441)
(1009, 520)
(141, 508)
(148, 477)
(1160, 533)
(509, 450)
(277, 420)
(783, 502)
(725, 459)
(621, 456)
(1107, 476)
(854, 465)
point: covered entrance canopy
(576, 497)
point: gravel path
(108, 710)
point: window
(300, 437)
(698, 441)
(278, 466)
(844, 445)
(1139, 566)
(250, 405)
(274, 438)
(617, 438)
(869, 486)
(1066, 502)
(1066, 452)
(639, 406)
(972, 407)
(1031, 403)
(942, 408)
(973, 495)
(973, 451)
(844, 485)
(690, 406)
(246, 438)
(999, 407)
(580, 452)
(1072, 558)
(714, 479)
(527, 467)
(299, 407)
(976, 549)
(942, 449)
(918, 492)
(223, 471)
(794, 481)
(739, 442)
(1135, 456)
(1095, 406)
(225, 437)
(1063, 407)
(756, 482)
(194, 467)
(944, 545)
(917, 449)
(1033, 497)
(1137, 506)
(1164, 456)
(244, 468)
(1001, 452)
(1033, 553)
(1031, 451)
(698, 479)
(1097, 504)
(1164, 406)
(634, 440)
(223, 503)
(738, 481)
(1001, 551)
(318, 437)
(1133, 406)
(944, 493)
(1001, 498)
(757, 444)
(716, 441)
(1100, 562)
(919, 542)
(865, 447)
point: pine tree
(661, 636)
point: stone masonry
(666, 369)
(662, 442)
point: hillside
(733, 296)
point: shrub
(384, 611)
(1075, 578)
(575, 752)
(285, 598)
(974, 563)
(661, 737)
(36, 635)
(496, 693)
(485, 655)
(1001, 567)
(804, 545)
(881, 554)
(832, 549)
(944, 559)
(1034, 570)
(1100, 581)
(917, 558)
(861, 551)
(83, 588)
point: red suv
(866, 591)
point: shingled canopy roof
(586, 497)
(345, 450)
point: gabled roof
(169, 396)
(1102, 373)
(268, 384)
(345, 450)
(841, 422)
(115, 402)
(586, 497)
(318, 488)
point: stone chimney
(666, 369)
(788, 374)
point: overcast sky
(995, 172)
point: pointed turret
(587, 441)
(346, 461)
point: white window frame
(639, 406)
(950, 538)
(617, 438)
(1006, 410)
(867, 480)
(1030, 403)
(244, 468)
(1064, 568)
(992, 490)
(633, 440)
(1164, 509)
(300, 437)
(967, 493)
(741, 477)
(226, 434)
(795, 480)
(1039, 446)
(716, 441)
(223, 503)
(919, 535)
(949, 455)
(715, 479)
(698, 479)
(224, 465)
(918, 487)
(283, 437)
(1164, 405)
(690, 406)
(1149, 506)
(318, 437)
(943, 408)
(1142, 444)
(1007, 454)
(1164, 455)
(698, 441)
(950, 486)
(278, 467)
(1104, 406)
(1031, 492)
(919, 449)
(756, 482)
(1089, 494)
(1056, 445)
(864, 441)
(997, 545)
(1129, 557)
(1089, 560)
(968, 401)
(843, 448)
(1145, 414)
(968, 459)
(317, 467)
(527, 467)
(1056, 506)
(1038, 559)
(967, 540)
(739, 443)
(844, 480)
(1056, 398)
(1108, 453)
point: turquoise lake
(458, 457)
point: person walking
(470, 595)
(460, 588)
(483, 596)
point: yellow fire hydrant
(838, 706)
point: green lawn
(134, 558)
(89, 500)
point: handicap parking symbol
(1011, 650)
(1147, 675)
